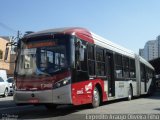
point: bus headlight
(62, 82)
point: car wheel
(5, 93)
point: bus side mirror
(6, 53)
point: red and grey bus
(75, 66)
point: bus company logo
(80, 92)
(88, 87)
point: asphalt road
(141, 106)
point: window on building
(1, 54)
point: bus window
(100, 69)
(126, 67)
(132, 68)
(100, 62)
(119, 66)
(90, 52)
(142, 72)
(81, 64)
(91, 66)
(91, 59)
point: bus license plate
(33, 101)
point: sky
(129, 23)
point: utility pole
(18, 35)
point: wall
(6, 65)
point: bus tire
(96, 98)
(130, 93)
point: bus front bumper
(56, 96)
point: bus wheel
(96, 98)
(51, 106)
(130, 93)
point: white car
(4, 87)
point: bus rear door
(110, 74)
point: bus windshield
(43, 56)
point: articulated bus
(75, 66)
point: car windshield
(10, 80)
(1, 79)
(44, 56)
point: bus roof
(87, 36)
(145, 62)
(112, 46)
(79, 32)
(90, 37)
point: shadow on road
(63, 111)
(155, 95)
(157, 109)
(6, 103)
(40, 112)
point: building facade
(141, 53)
(158, 39)
(151, 49)
(6, 65)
